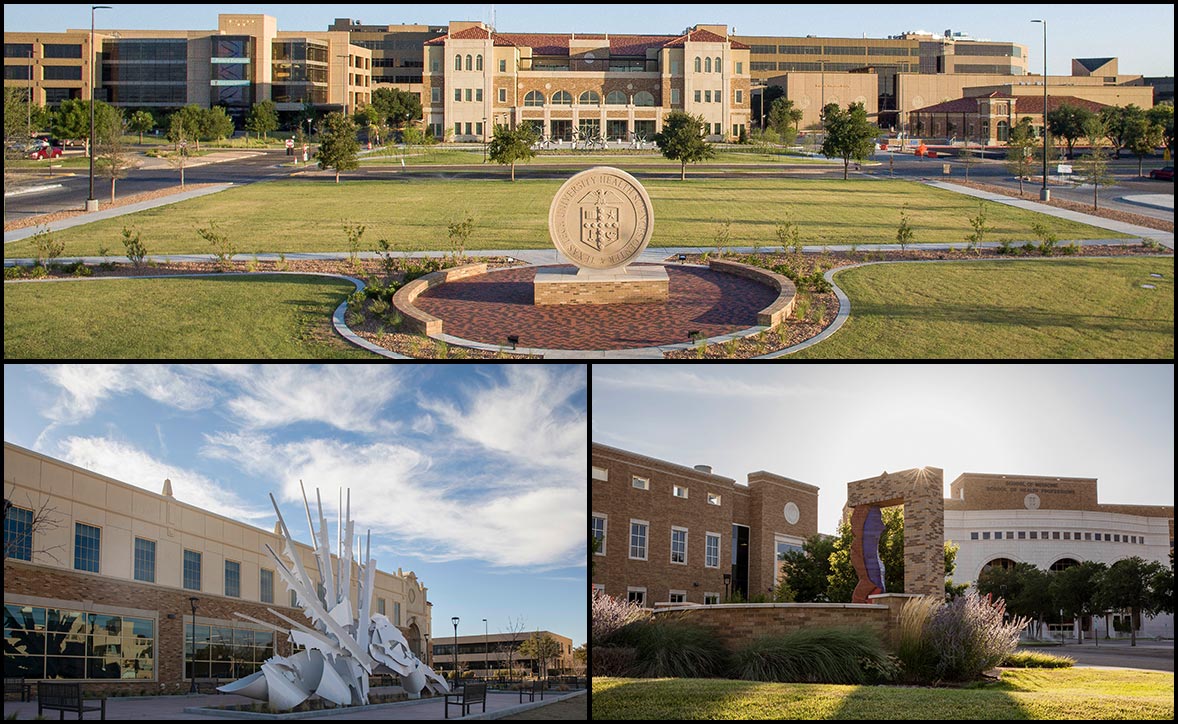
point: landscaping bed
(1125, 216)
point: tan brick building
(583, 85)
(491, 654)
(671, 533)
(102, 592)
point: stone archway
(413, 636)
(921, 492)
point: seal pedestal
(626, 285)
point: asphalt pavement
(1153, 655)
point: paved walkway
(1156, 201)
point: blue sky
(1142, 36)
(472, 476)
(830, 424)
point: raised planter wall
(417, 320)
(782, 307)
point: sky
(827, 425)
(472, 476)
(1142, 36)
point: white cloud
(131, 465)
(84, 387)
(348, 397)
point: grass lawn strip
(1021, 694)
(263, 317)
(308, 216)
(1068, 308)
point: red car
(45, 150)
(1163, 174)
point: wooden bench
(536, 687)
(470, 694)
(17, 685)
(65, 697)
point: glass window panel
(220, 670)
(31, 618)
(100, 623)
(87, 542)
(243, 637)
(141, 649)
(264, 652)
(201, 670)
(643, 98)
(267, 586)
(106, 646)
(138, 627)
(56, 50)
(24, 642)
(103, 668)
(144, 560)
(60, 667)
(192, 570)
(18, 523)
(263, 638)
(26, 667)
(232, 578)
(72, 644)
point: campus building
(98, 576)
(397, 60)
(244, 61)
(669, 533)
(576, 85)
(490, 655)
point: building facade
(397, 50)
(495, 654)
(100, 591)
(583, 86)
(670, 533)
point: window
(233, 579)
(699, 95)
(458, 94)
(973, 535)
(616, 98)
(1010, 535)
(469, 63)
(1046, 535)
(1022, 535)
(599, 526)
(638, 539)
(640, 483)
(48, 643)
(1067, 535)
(707, 65)
(226, 652)
(62, 72)
(294, 599)
(266, 585)
(636, 595)
(562, 98)
(1055, 535)
(1116, 539)
(1034, 535)
(712, 550)
(599, 587)
(713, 499)
(1088, 536)
(435, 95)
(478, 95)
(676, 96)
(679, 491)
(719, 65)
(468, 131)
(502, 95)
(192, 570)
(678, 545)
(478, 62)
(711, 599)
(986, 535)
(503, 66)
(678, 597)
(535, 98)
(69, 50)
(87, 545)
(739, 97)
(469, 94)
(144, 560)
(739, 68)
(590, 98)
(698, 65)
(717, 95)
(707, 96)
(458, 62)
(457, 129)
(380, 606)
(18, 534)
(643, 98)
(397, 605)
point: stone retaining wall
(415, 319)
(782, 307)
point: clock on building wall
(791, 513)
(1031, 501)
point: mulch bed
(1125, 216)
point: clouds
(85, 387)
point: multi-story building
(396, 50)
(98, 577)
(672, 533)
(244, 61)
(583, 85)
(489, 655)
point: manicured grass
(1021, 694)
(263, 316)
(1066, 308)
(433, 155)
(413, 212)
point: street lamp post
(428, 652)
(91, 202)
(484, 139)
(1045, 194)
(486, 651)
(192, 687)
(454, 621)
(29, 105)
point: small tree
(1142, 136)
(1116, 120)
(513, 632)
(1020, 153)
(1073, 590)
(215, 124)
(223, 248)
(396, 106)
(904, 231)
(72, 120)
(509, 146)
(1067, 122)
(781, 120)
(338, 147)
(1162, 116)
(969, 157)
(187, 123)
(136, 252)
(110, 152)
(48, 247)
(141, 122)
(262, 118)
(980, 229)
(682, 140)
(541, 647)
(1127, 584)
(1094, 168)
(44, 518)
(179, 157)
(849, 135)
(459, 232)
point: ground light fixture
(513, 340)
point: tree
(761, 103)
(541, 647)
(141, 122)
(110, 151)
(581, 657)
(904, 231)
(849, 135)
(969, 157)
(1162, 115)
(262, 118)
(781, 120)
(338, 147)
(176, 134)
(1020, 151)
(1116, 120)
(509, 146)
(1073, 590)
(1067, 122)
(398, 107)
(188, 127)
(513, 631)
(215, 124)
(682, 140)
(40, 519)
(1142, 136)
(72, 120)
(1126, 584)
(806, 571)
(1094, 168)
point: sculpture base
(629, 285)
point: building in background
(486, 656)
(397, 50)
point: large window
(643, 98)
(87, 547)
(599, 524)
(192, 570)
(712, 551)
(18, 534)
(233, 579)
(589, 98)
(225, 652)
(267, 586)
(638, 539)
(397, 604)
(679, 545)
(144, 560)
(534, 98)
(616, 98)
(562, 98)
(62, 50)
(62, 72)
(48, 643)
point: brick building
(102, 592)
(490, 655)
(681, 534)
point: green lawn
(1021, 694)
(413, 212)
(263, 316)
(1065, 308)
(419, 156)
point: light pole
(91, 202)
(29, 106)
(484, 149)
(486, 651)
(192, 687)
(454, 621)
(428, 652)
(1045, 194)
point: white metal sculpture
(340, 651)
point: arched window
(534, 98)
(1064, 563)
(478, 62)
(616, 98)
(1004, 563)
(642, 98)
(562, 98)
(697, 65)
(458, 62)
(1003, 131)
(589, 98)
(469, 63)
(719, 67)
(707, 65)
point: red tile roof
(1023, 104)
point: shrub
(612, 660)
(914, 648)
(223, 248)
(48, 248)
(1037, 660)
(830, 656)
(611, 614)
(667, 646)
(969, 637)
(1046, 236)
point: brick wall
(739, 625)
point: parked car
(43, 150)
(1163, 174)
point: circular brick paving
(493, 306)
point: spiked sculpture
(340, 651)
